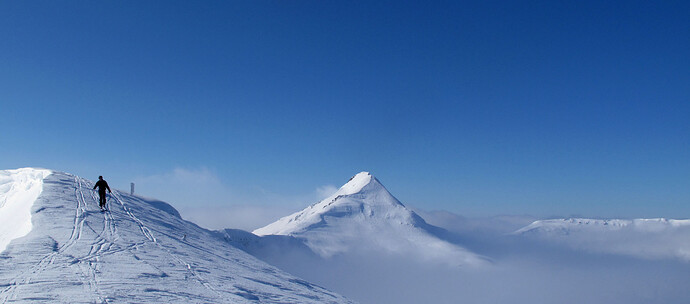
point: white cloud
(243, 217)
(185, 187)
(203, 198)
(325, 191)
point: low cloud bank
(522, 269)
(526, 273)
(499, 224)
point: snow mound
(140, 251)
(18, 190)
(362, 216)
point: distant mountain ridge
(565, 226)
(654, 238)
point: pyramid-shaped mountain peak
(356, 183)
(363, 215)
(362, 197)
(362, 184)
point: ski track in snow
(117, 256)
(147, 233)
(87, 264)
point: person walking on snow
(102, 185)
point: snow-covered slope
(646, 238)
(363, 216)
(140, 251)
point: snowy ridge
(655, 238)
(140, 251)
(565, 226)
(363, 215)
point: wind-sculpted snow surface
(18, 191)
(655, 238)
(363, 216)
(139, 251)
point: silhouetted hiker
(101, 184)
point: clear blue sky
(486, 107)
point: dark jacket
(101, 185)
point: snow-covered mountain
(571, 225)
(57, 247)
(363, 216)
(646, 238)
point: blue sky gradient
(480, 108)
